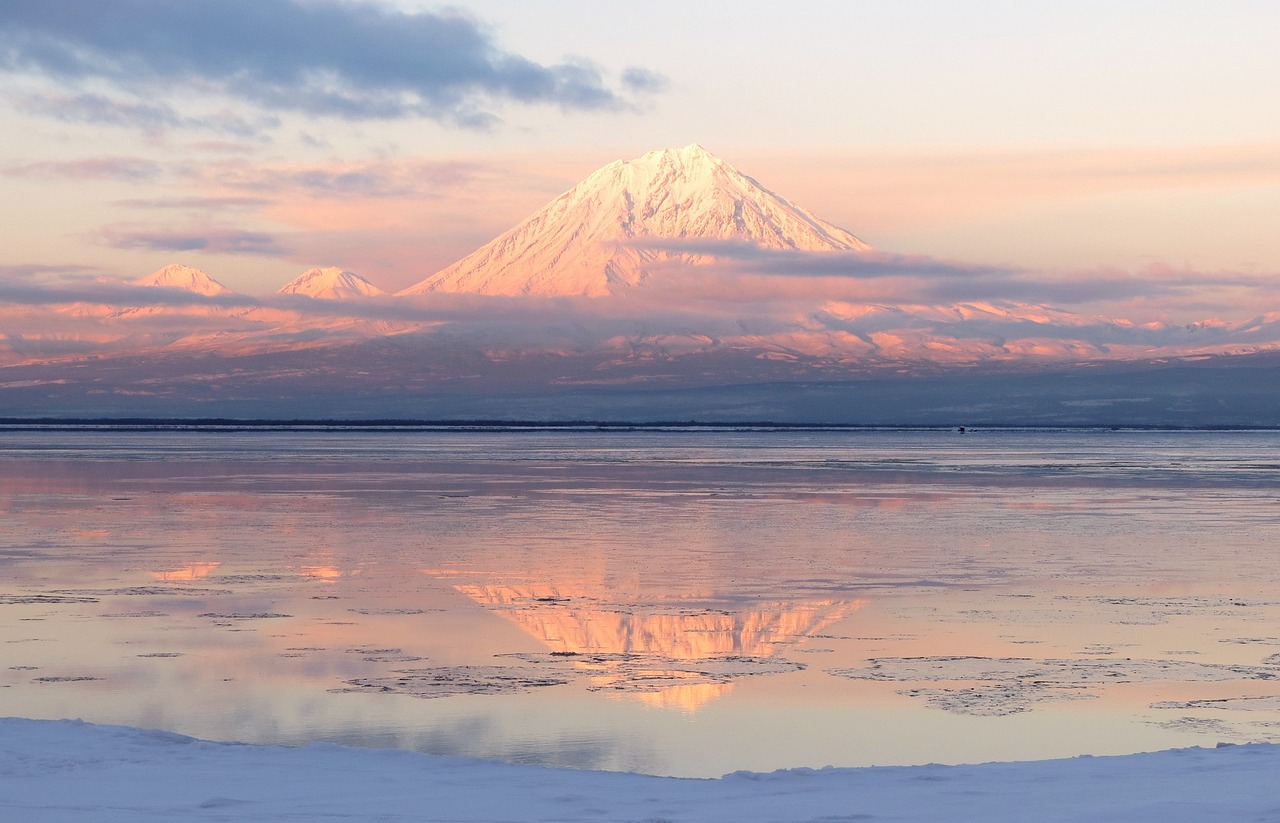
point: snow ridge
(608, 232)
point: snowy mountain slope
(607, 232)
(178, 276)
(330, 283)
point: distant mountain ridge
(645, 234)
(606, 233)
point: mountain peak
(330, 283)
(690, 155)
(606, 233)
(178, 276)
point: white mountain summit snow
(178, 276)
(330, 284)
(607, 232)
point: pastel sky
(255, 138)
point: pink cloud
(877, 190)
(393, 221)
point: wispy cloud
(988, 201)
(644, 81)
(44, 271)
(210, 239)
(353, 60)
(1091, 287)
(144, 114)
(194, 203)
(110, 168)
(392, 219)
(98, 108)
(374, 179)
(224, 147)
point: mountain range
(633, 279)
(602, 237)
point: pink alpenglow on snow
(605, 234)
(178, 276)
(330, 284)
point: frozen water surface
(687, 603)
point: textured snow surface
(330, 284)
(606, 232)
(178, 276)
(67, 770)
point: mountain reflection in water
(687, 603)
(630, 649)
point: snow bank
(68, 770)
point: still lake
(670, 602)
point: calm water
(665, 602)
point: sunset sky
(256, 138)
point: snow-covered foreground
(73, 771)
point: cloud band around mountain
(926, 279)
(533, 324)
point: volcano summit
(614, 228)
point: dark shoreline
(218, 424)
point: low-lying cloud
(751, 258)
(918, 279)
(644, 312)
(761, 309)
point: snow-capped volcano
(178, 276)
(330, 284)
(608, 231)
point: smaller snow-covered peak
(330, 283)
(178, 276)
